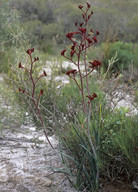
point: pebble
(4, 176)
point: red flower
(20, 65)
(89, 16)
(69, 35)
(89, 40)
(80, 6)
(36, 58)
(82, 46)
(72, 53)
(41, 92)
(83, 30)
(74, 71)
(63, 52)
(44, 73)
(30, 51)
(91, 31)
(97, 32)
(20, 90)
(81, 24)
(94, 95)
(73, 46)
(91, 12)
(95, 39)
(88, 5)
(95, 63)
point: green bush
(12, 36)
(118, 146)
(125, 56)
(11, 115)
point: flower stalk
(35, 100)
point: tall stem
(82, 89)
(86, 65)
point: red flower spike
(82, 46)
(69, 35)
(72, 53)
(81, 24)
(20, 90)
(94, 95)
(30, 51)
(74, 71)
(89, 17)
(91, 31)
(76, 24)
(44, 73)
(95, 63)
(83, 16)
(90, 97)
(20, 65)
(41, 92)
(97, 32)
(36, 58)
(63, 52)
(88, 5)
(95, 39)
(73, 46)
(89, 40)
(80, 6)
(83, 30)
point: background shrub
(125, 56)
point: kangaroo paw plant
(31, 94)
(81, 39)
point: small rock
(3, 176)
(21, 188)
(135, 185)
(43, 181)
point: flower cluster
(74, 71)
(81, 40)
(30, 51)
(91, 97)
(84, 35)
(95, 64)
(20, 90)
